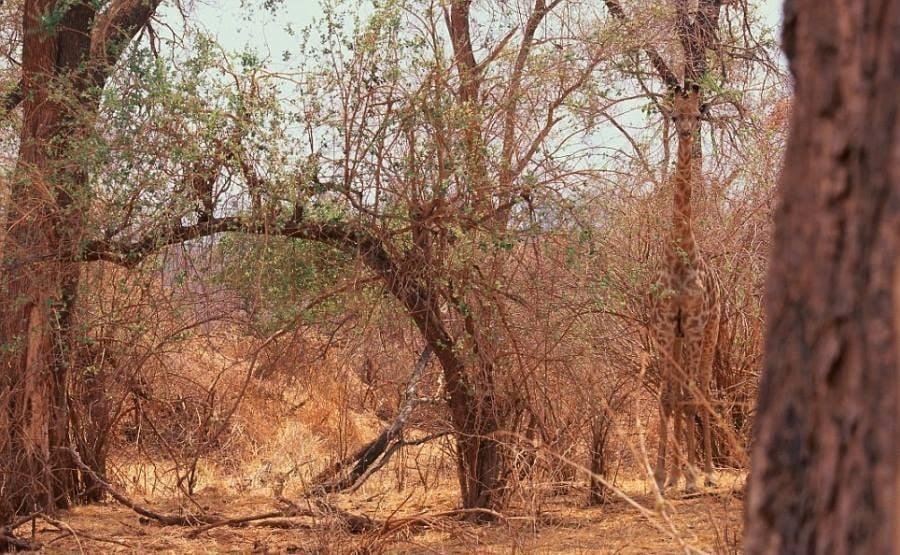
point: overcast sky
(266, 33)
(237, 28)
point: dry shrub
(578, 392)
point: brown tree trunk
(64, 67)
(825, 456)
(601, 426)
(475, 414)
(37, 293)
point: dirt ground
(709, 523)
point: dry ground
(562, 524)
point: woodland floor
(709, 523)
(280, 428)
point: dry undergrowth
(285, 430)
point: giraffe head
(686, 110)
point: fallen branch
(244, 520)
(720, 492)
(80, 534)
(389, 453)
(421, 522)
(8, 540)
(10, 543)
(281, 524)
(162, 518)
(353, 523)
(379, 450)
(365, 462)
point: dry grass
(706, 524)
(298, 420)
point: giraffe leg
(665, 411)
(709, 480)
(678, 433)
(663, 330)
(692, 350)
(690, 467)
(706, 366)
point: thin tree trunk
(825, 457)
(601, 426)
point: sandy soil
(561, 524)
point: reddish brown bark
(825, 457)
(471, 400)
(35, 299)
(64, 65)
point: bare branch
(130, 254)
(380, 447)
(659, 64)
(114, 29)
(162, 518)
(515, 82)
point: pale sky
(237, 26)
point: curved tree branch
(659, 64)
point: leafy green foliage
(277, 278)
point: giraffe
(685, 313)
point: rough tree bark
(825, 456)
(68, 51)
(601, 427)
(473, 406)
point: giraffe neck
(684, 246)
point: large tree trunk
(474, 409)
(65, 65)
(825, 456)
(480, 461)
(44, 221)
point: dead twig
(424, 521)
(162, 518)
(247, 519)
(80, 534)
